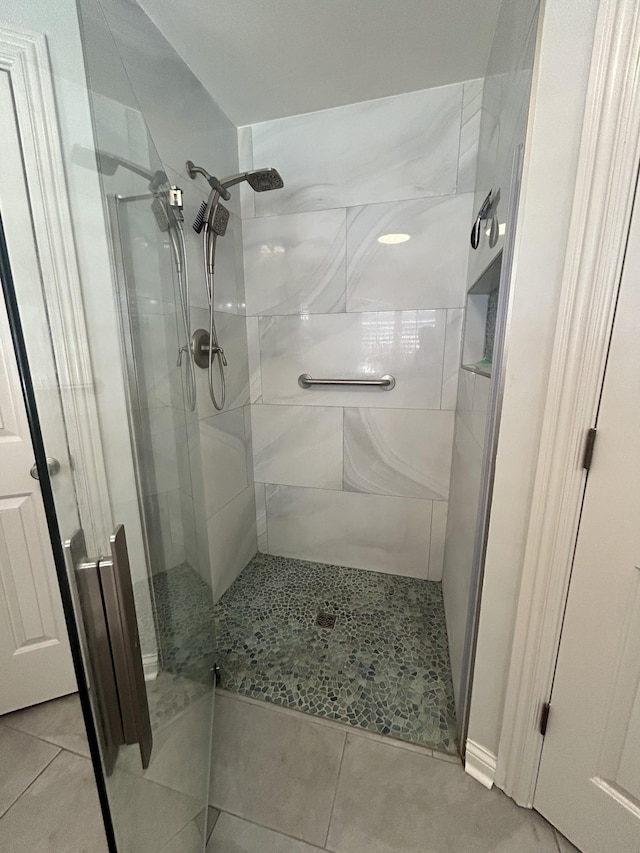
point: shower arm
(213, 182)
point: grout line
(430, 544)
(268, 828)
(354, 491)
(422, 197)
(35, 779)
(342, 406)
(45, 740)
(335, 792)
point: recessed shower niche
(480, 320)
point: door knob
(53, 466)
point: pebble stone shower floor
(383, 667)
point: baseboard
(150, 666)
(480, 763)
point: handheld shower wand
(212, 220)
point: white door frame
(603, 200)
(24, 57)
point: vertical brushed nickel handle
(119, 606)
(98, 648)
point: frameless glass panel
(106, 348)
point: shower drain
(326, 620)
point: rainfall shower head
(260, 180)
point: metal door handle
(120, 611)
(53, 466)
(109, 615)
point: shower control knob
(53, 466)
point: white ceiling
(264, 59)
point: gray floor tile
(564, 845)
(393, 801)
(278, 770)
(58, 721)
(234, 835)
(148, 815)
(22, 758)
(58, 812)
(188, 840)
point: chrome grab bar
(385, 383)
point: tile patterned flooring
(48, 797)
(384, 667)
(283, 782)
(286, 782)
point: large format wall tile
(469, 134)
(377, 532)
(406, 453)
(232, 539)
(232, 335)
(298, 445)
(452, 356)
(405, 146)
(224, 458)
(407, 344)
(427, 271)
(295, 264)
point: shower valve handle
(181, 350)
(220, 351)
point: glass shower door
(137, 557)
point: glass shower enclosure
(135, 561)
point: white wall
(558, 93)
(359, 477)
(503, 126)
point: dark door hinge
(588, 449)
(544, 718)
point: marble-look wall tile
(469, 134)
(295, 264)
(438, 535)
(232, 334)
(405, 146)
(427, 271)
(245, 164)
(376, 532)
(406, 344)
(298, 445)
(261, 518)
(480, 407)
(224, 460)
(398, 452)
(253, 356)
(466, 476)
(232, 539)
(452, 355)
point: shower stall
(291, 405)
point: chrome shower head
(260, 180)
(263, 180)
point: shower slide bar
(385, 383)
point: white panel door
(589, 780)
(35, 659)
